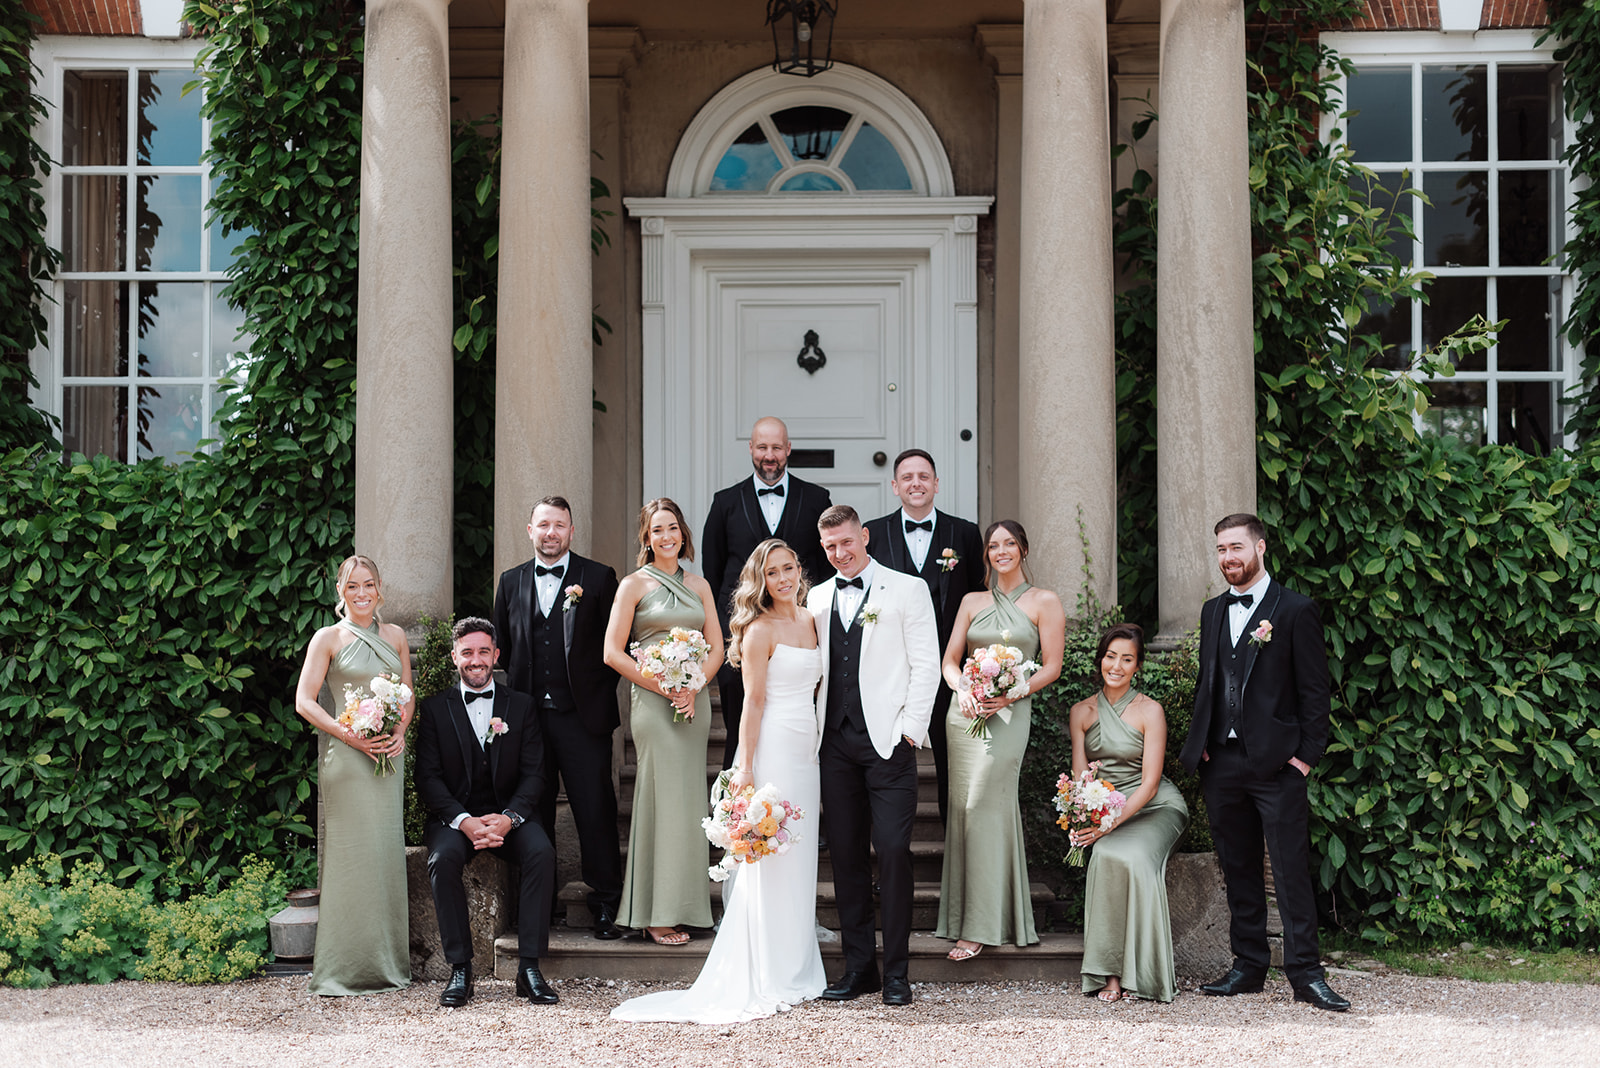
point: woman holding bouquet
(765, 958)
(1127, 951)
(983, 893)
(665, 885)
(363, 938)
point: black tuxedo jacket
(886, 541)
(443, 772)
(594, 685)
(735, 526)
(1286, 702)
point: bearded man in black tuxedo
(943, 550)
(772, 504)
(1261, 710)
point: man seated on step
(480, 772)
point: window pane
(1458, 411)
(1451, 302)
(872, 162)
(1382, 129)
(1527, 415)
(1391, 325)
(1527, 236)
(810, 131)
(94, 420)
(171, 420)
(168, 235)
(96, 327)
(748, 165)
(169, 122)
(225, 324)
(810, 182)
(1385, 192)
(92, 222)
(1530, 122)
(94, 118)
(171, 315)
(225, 249)
(1455, 113)
(1529, 307)
(1455, 230)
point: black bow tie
(776, 491)
(843, 583)
(477, 695)
(1231, 599)
(540, 570)
(926, 524)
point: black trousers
(527, 848)
(730, 684)
(583, 761)
(1245, 809)
(869, 803)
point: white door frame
(678, 363)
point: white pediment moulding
(852, 89)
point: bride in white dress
(765, 957)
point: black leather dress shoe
(531, 985)
(458, 990)
(605, 926)
(1321, 995)
(850, 986)
(896, 990)
(1235, 982)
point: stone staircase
(574, 952)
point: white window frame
(54, 55)
(1492, 47)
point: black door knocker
(811, 358)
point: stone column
(1067, 383)
(544, 369)
(1205, 341)
(405, 430)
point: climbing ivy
(1576, 25)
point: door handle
(880, 458)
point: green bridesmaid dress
(666, 883)
(363, 927)
(1127, 930)
(983, 893)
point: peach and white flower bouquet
(995, 671)
(375, 710)
(748, 825)
(675, 662)
(1087, 801)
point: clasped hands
(379, 745)
(972, 707)
(682, 698)
(487, 831)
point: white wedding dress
(765, 957)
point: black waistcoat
(844, 663)
(482, 800)
(550, 657)
(1228, 703)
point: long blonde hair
(342, 610)
(751, 599)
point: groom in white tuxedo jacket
(880, 648)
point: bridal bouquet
(375, 711)
(749, 825)
(675, 661)
(1084, 802)
(995, 671)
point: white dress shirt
(479, 713)
(847, 601)
(1239, 614)
(919, 541)
(771, 503)
(547, 587)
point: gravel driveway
(1396, 1020)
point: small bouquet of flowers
(995, 671)
(1087, 801)
(675, 660)
(374, 711)
(749, 825)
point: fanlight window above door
(812, 149)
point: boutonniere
(574, 594)
(1262, 634)
(869, 613)
(497, 727)
(948, 560)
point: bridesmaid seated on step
(1127, 932)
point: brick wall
(104, 18)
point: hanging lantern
(802, 35)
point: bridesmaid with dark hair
(665, 886)
(1127, 929)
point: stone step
(575, 954)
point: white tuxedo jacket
(899, 672)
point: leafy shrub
(216, 937)
(432, 670)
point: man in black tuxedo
(1261, 712)
(552, 612)
(946, 552)
(479, 771)
(772, 504)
